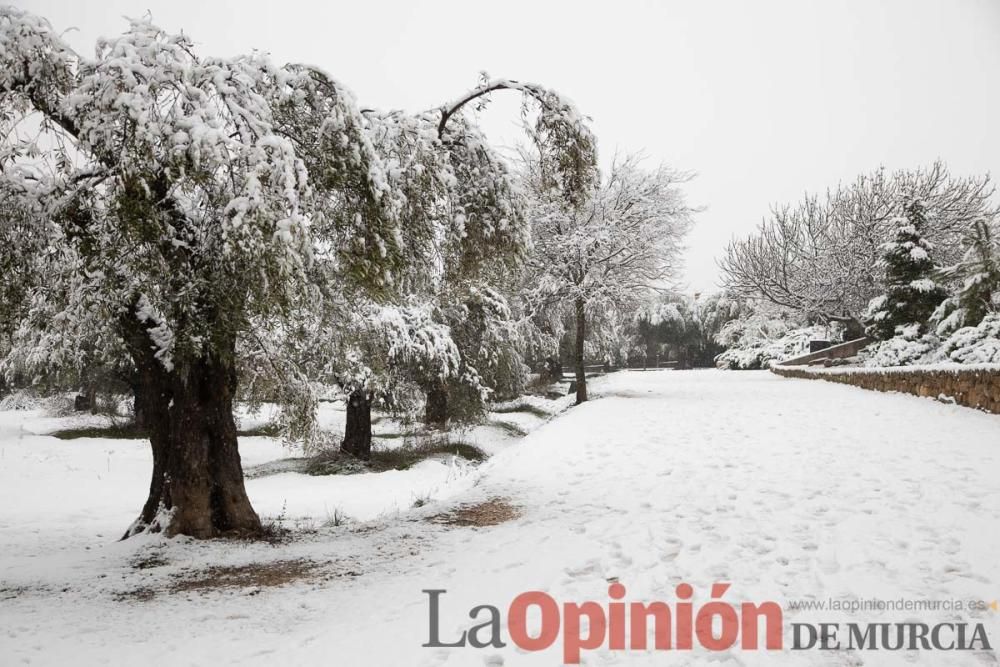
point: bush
(738, 359)
(900, 351)
(765, 353)
(20, 400)
(974, 345)
(969, 345)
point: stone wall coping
(891, 370)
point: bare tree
(820, 257)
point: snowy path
(788, 489)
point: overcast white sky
(764, 100)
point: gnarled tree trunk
(358, 432)
(197, 485)
(581, 371)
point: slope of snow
(789, 489)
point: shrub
(974, 345)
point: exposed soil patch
(490, 513)
(148, 561)
(252, 575)
(136, 595)
(124, 431)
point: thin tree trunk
(581, 372)
(436, 408)
(358, 432)
(92, 399)
(197, 486)
(853, 329)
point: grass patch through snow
(527, 408)
(402, 458)
(129, 431)
(399, 458)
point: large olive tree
(198, 216)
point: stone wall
(839, 351)
(972, 386)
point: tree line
(907, 256)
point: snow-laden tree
(714, 312)
(688, 325)
(756, 334)
(977, 278)
(912, 292)
(490, 350)
(461, 191)
(756, 323)
(375, 353)
(596, 259)
(21, 236)
(393, 352)
(483, 236)
(52, 351)
(172, 211)
(820, 257)
(200, 214)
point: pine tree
(912, 294)
(979, 272)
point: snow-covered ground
(788, 489)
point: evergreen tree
(979, 273)
(912, 294)
(978, 277)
